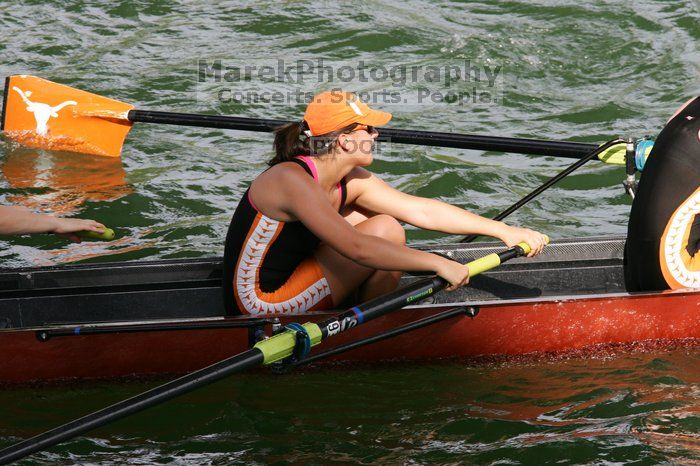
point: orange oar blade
(41, 113)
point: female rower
(317, 228)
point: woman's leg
(344, 275)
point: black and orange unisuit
(663, 236)
(269, 265)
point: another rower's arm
(377, 196)
(16, 220)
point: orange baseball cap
(333, 110)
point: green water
(586, 71)
(637, 409)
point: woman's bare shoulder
(281, 173)
(359, 174)
(270, 191)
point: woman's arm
(15, 220)
(316, 213)
(377, 196)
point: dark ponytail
(291, 141)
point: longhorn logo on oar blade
(48, 115)
(42, 112)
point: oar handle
(484, 263)
(106, 235)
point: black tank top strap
(303, 165)
(343, 193)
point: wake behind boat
(163, 317)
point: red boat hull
(500, 329)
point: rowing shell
(166, 317)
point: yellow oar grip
(493, 260)
(483, 264)
(107, 235)
(526, 247)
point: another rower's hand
(536, 240)
(456, 274)
(68, 227)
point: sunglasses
(370, 129)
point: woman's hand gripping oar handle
(106, 235)
(497, 258)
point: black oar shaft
(426, 321)
(384, 304)
(573, 150)
(204, 121)
(249, 359)
(177, 387)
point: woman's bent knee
(384, 226)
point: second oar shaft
(273, 349)
(160, 394)
(574, 150)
